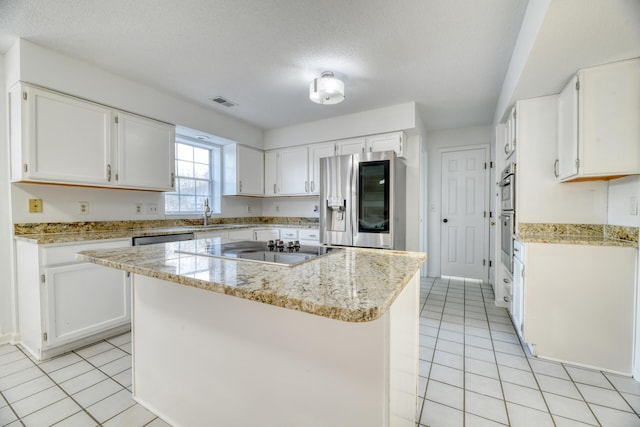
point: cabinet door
(316, 152)
(84, 299)
(271, 173)
(386, 142)
(146, 150)
(266, 235)
(350, 146)
(242, 234)
(517, 303)
(66, 139)
(250, 171)
(610, 119)
(293, 169)
(567, 164)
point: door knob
(445, 220)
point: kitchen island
(332, 341)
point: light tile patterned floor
(473, 372)
(88, 387)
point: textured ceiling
(450, 56)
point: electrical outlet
(277, 208)
(138, 208)
(248, 208)
(35, 205)
(83, 208)
(152, 208)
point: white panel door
(462, 242)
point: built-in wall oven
(508, 213)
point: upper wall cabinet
(243, 171)
(598, 123)
(60, 139)
(146, 151)
(295, 171)
(384, 142)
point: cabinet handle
(239, 186)
(506, 280)
(306, 186)
(274, 189)
(313, 186)
(506, 299)
(506, 148)
(556, 167)
(109, 173)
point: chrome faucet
(207, 212)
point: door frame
(486, 254)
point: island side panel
(404, 316)
(202, 357)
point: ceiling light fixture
(326, 89)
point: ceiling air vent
(223, 101)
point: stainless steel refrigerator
(362, 200)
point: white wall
(53, 70)
(620, 193)
(29, 62)
(380, 120)
(7, 314)
(437, 141)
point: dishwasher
(163, 238)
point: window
(197, 178)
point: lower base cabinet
(579, 304)
(64, 304)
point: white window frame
(215, 187)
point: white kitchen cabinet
(350, 146)
(598, 126)
(539, 196)
(309, 236)
(64, 304)
(510, 134)
(243, 170)
(266, 234)
(146, 153)
(289, 234)
(393, 141)
(57, 138)
(518, 287)
(242, 234)
(316, 152)
(579, 304)
(223, 234)
(293, 169)
(271, 173)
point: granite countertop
(353, 285)
(575, 240)
(578, 234)
(77, 236)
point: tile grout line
(621, 395)
(65, 392)
(426, 387)
(581, 395)
(11, 408)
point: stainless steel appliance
(362, 200)
(508, 188)
(162, 238)
(508, 215)
(506, 231)
(272, 252)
